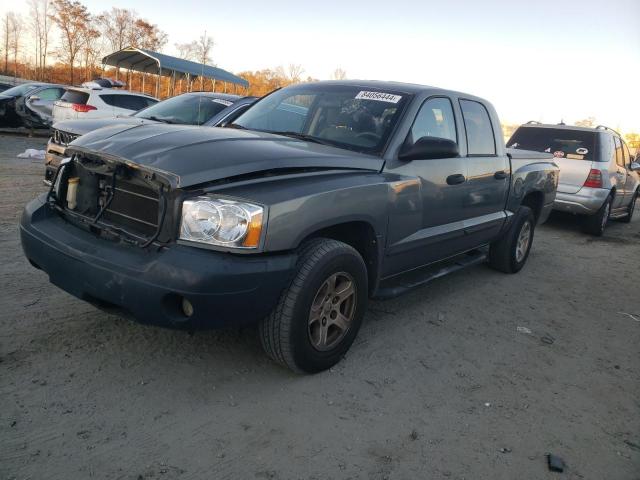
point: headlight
(221, 221)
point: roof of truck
(408, 88)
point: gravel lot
(441, 383)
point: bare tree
(14, 39)
(72, 19)
(90, 49)
(587, 122)
(185, 50)
(295, 72)
(339, 74)
(41, 28)
(147, 35)
(6, 37)
(116, 27)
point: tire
(293, 333)
(595, 224)
(632, 207)
(510, 252)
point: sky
(544, 60)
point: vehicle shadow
(565, 221)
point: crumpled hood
(188, 155)
(82, 126)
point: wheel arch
(535, 201)
(360, 235)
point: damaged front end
(114, 199)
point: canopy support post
(158, 81)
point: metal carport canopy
(141, 60)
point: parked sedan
(598, 176)
(8, 115)
(35, 108)
(197, 108)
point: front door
(441, 189)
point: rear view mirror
(428, 148)
(634, 167)
(34, 97)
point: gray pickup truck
(317, 198)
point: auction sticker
(378, 96)
(571, 156)
(558, 154)
(226, 103)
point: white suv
(98, 102)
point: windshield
(185, 109)
(19, 90)
(352, 117)
(562, 143)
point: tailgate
(63, 111)
(573, 174)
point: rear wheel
(510, 253)
(595, 224)
(320, 312)
(631, 209)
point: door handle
(500, 175)
(456, 179)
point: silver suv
(598, 176)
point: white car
(98, 102)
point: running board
(416, 278)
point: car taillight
(79, 107)
(594, 180)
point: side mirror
(635, 166)
(33, 97)
(429, 148)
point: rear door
(620, 177)
(126, 104)
(42, 102)
(487, 185)
(630, 184)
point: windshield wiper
(301, 136)
(158, 119)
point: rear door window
(50, 93)
(74, 96)
(477, 123)
(562, 143)
(128, 102)
(627, 153)
(619, 152)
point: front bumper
(586, 201)
(149, 284)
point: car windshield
(19, 90)
(561, 142)
(186, 109)
(352, 117)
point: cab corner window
(435, 119)
(477, 123)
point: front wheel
(320, 312)
(510, 252)
(595, 224)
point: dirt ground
(445, 382)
